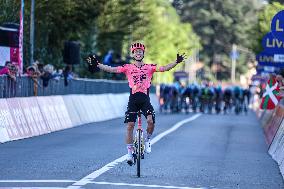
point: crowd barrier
(25, 86)
(273, 126)
(32, 116)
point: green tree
(262, 27)
(59, 21)
(101, 25)
(279, 1)
(113, 23)
(10, 11)
(163, 40)
(219, 24)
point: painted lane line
(143, 185)
(175, 127)
(31, 188)
(89, 178)
(37, 181)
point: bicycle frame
(139, 121)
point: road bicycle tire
(139, 152)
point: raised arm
(168, 67)
(92, 59)
(107, 68)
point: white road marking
(91, 182)
(89, 178)
(31, 188)
(143, 185)
(36, 181)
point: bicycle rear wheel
(139, 152)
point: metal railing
(26, 86)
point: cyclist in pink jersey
(139, 77)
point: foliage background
(166, 27)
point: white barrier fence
(32, 116)
(273, 125)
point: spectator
(40, 68)
(58, 74)
(13, 71)
(33, 73)
(108, 59)
(5, 70)
(47, 74)
(67, 74)
(9, 88)
(10, 70)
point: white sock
(129, 148)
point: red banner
(21, 38)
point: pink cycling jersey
(139, 79)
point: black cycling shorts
(138, 101)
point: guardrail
(26, 86)
(272, 122)
(32, 116)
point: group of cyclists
(205, 98)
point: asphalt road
(207, 151)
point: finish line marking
(37, 181)
(92, 182)
(31, 188)
(89, 178)
(143, 185)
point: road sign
(279, 58)
(234, 55)
(266, 69)
(272, 44)
(267, 59)
(277, 26)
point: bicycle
(138, 144)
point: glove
(92, 60)
(180, 58)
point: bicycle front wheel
(139, 152)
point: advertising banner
(267, 59)
(61, 111)
(49, 114)
(32, 110)
(277, 26)
(19, 117)
(8, 129)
